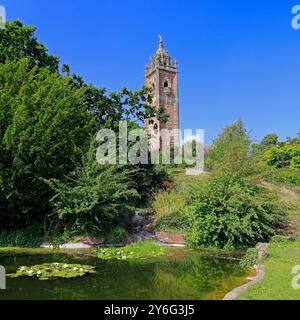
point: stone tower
(162, 77)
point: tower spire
(161, 43)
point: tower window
(166, 84)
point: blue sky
(237, 59)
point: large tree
(18, 41)
(47, 121)
(44, 129)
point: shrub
(171, 213)
(279, 239)
(116, 235)
(284, 156)
(230, 211)
(95, 198)
(27, 237)
(250, 259)
(286, 176)
(295, 163)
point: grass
(283, 256)
(278, 267)
(171, 207)
(13, 251)
(290, 198)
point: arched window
(166, 84)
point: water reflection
(184, 274)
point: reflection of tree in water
(187, 275)
(195, 277)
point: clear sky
(237, 59)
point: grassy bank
(278, 267)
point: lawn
(277, 284)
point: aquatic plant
(54, 270)
(140, 250)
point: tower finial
(161, 43)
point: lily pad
(142, 250)
(53, 270)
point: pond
(182, 274)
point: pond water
(183, 274)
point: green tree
(18, 41)
(270, 140)
(230, 149)
(43, 131)
(281, 157)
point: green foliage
(43, 126)
(94, 198)
(230, 211)
(250, 259)
(282, 259)
(285, 176)
(137, 251)
(53, 271)
(230, 149)
(270, 140)
(279, 239)
(295, 163)
(285, 156)
(18, 41)
(116, 235)
(23, 238)
(47, 121)
(171, 212)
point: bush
(295, 163)
(116, 235)
(171, 213)
(250, 259)
(25, 238)
(230, 211)
(284, 156)
(286, 176)
(95, 198)
(279, 239)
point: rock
(92, 241)
(138, 219)
(170, 238)
(78, 245)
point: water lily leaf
(53, 270)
